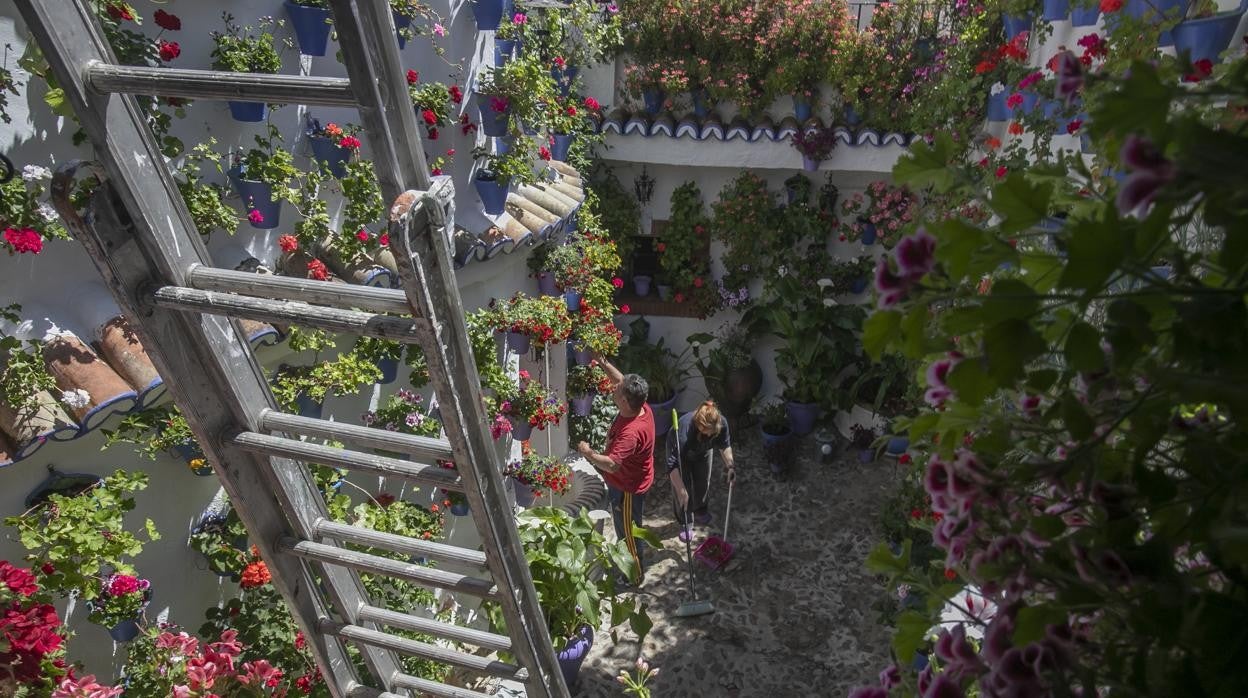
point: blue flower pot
(868, 233)
(897, 445)
(125, 631)
(852, 117)
(582, 405)
(518, 342)
(325, 150)
(459, 509)
(563, 78)
(801, 109)
(997, 111)
(258, 196)
(773, 439)
(502, 145)
(581, 357)
(573, 300)
(1055, 10)
(700, 109)
(524, 494)
(662, 414)
(858, 285)
(802, 416)
(641, 284)
(488, 13)
(401, 23)
(1085, 16)
(493, 123)
(248, 111)
(866, 455)
(1016, 25)
(562, 143)
(573, 656)
(503, 50)
(493, 195)
(546, 284)
(521, 430)
(389, 370)
(1207, 37)
(308, 407)
(653, 99)
(311, 25)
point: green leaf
(1093, 251)
(958, 243)
(880, 329)
(1030, 622)
(912, 628)
(927, 164)
(914, 328)
(971, 381)
(1020, 202)
(1009, 346)
(1078, 423)
(1010, 298)
(1141, 103)
(1041, 380)
(648, 536)
(882, 561)
(1083, 348)
(1047, 526)
(640, 623)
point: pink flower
(1069, 76)
(1150, 172)
(362, 235)
(1001, 172)
(255, 217)
(915, 255)
(498, 104)
(24, 240)
(1201, 69)
(1014, 101)
(617, 282)
(317, 270)
(384, 240)
(438, 29)
(288, 243)
(457, 95)
(84, 687)
(350, 142)
(890, 287)
(1030, 80)
(122, 584)
(519, 18)
(938, 390)
(543, 152)
(592, 104)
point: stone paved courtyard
(794, 612)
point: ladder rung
(420, 447)
(375, 564)
(433, 688)
(358, 690)
(400, 544)
(377, 300)
(401, 329)
(308, 452)
(220, 85)
(403, 645)
(458, 633)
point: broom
(695, 606)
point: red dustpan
(715, 552)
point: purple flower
(937, 389)
(890, 287)
(1029, 405)
(915, 255)
(943, 687)
(1068, 75)
(890, 677)
(957, 655)
(414, 419)
(612, 8)
(1150, 172)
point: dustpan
(715, 552)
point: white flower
(824, 283)
(997, 88)
(782, 271)
(828, 302)
(76, 398)
(34, 173)
(47, 212)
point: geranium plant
(205, 200)
(432, 101)
(25, 215)
(886, 207)
(23, 372)
(268, 162)
(526, 400)
(221, 540)
(155, 430)
(544, 319)
(814, 144)
(404, 412)
(545, 474)
(172, 662)
(121, 597)
(32, 640)
(243, 49)
(684, 248)
(596, 331)
(588, 379)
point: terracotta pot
(75, 366)
(120, 345)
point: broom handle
(728, 512)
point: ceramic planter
(809, 164)
(698, 98)
(518, 342)
(868, 232)
(1015, 25)
(400, 23)
(859, 285)
(573, 300)
(1055, 10)
(503, 50)
(897, 445)
(582, 405)
(802, 109)
(311, 25)
(249, 112)
(493, 194)
(653, 100)
(563, 78)
(493, 123)
(488, 13)
(802, 416)
(546, 284)
(581, 356)
(459, 509)
(997, 111)
(641, 285)
(327, 151)
(309, 407)
(562, 142)
(736, 389)
(662, 412)
(852, 117)
(521, 430)
(665, 292)
(1085, 16)
(1207, 37)
(389, 370)
(257, 196)
(572, 657)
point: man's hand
(584, 449)
(730, 473)
(682, 497)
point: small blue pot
(401, 23)
(852, 117)
(801, 109)
(663, 412)
(653, 99)
(773, 439)
(802, 416)
(897, 445)
(562, 144)
(389, 370)
(248, 111)
(311, 25)
(518, 342)
(563, 78)
(573, 300)
(546, 284)
(521, 430)
(493, 195)
(503, 50)
(488, 14)
(700, 109)
(866, 455)
(582, 405)
(1016, 25)
(125, 631)
(1085, 16)
(581, 357)
(326, 151)
(868, 233)
(259, 196)
(641, 284)
(858, 285)
(460, 509)
(493, 123)
(308, 407)
(1055, 10)
(997, 111)
(1206, 37)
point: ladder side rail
(423, 254)
(220, 85)
(151, 209)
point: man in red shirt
(628, 462)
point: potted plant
(157, 430)
(538, 476)
(773, 419)
(528, 405)
(732, 375)
(404, 412)
(333, 145)
(584, 383)
(684, 258)
(882, 213)
(508, 37)
(204, 200)
(517, 89)
(862, 439)
(665, 371)
(456, 502)
(166, 662)
(496, 171)
(311, 21)
(304, 388)
(596, 333)
(262, 176)
(246, 50)
(405, 12)
(222, 541)
(488, 13)
(575, 590)
(797, 189)
(1205, 33)
(563, 120)
(119, 605)
(384, 353)
(432, 102)
(815, 145)
(526, 319)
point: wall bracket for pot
(64, 484)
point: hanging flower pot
(698, 97)
(503, 50)
(852, 117)
(263, 211)
(488, 13)
(493, 192)
(525, 495)
(1085, 16)
(1055, 10)
(389, 370)
(326, 150)
(309, 407)
(866, 455)
(518, 342)
(653, 99)
(641, 285)
(521, 430)
(809, 164)
(311, 25)
(897, 445)
(997, 110)
(802, 108)
(1207, 37)
(459, 509)
(1015, 25)
(802, 416)
(573, 656)
(581, 355)
(582, 405)
(858, 285)
(546, 284)
(563, 78)
(249, 112)
(868, 232)
(559, 148)
(494, 114)
(402, 24)
(573, 298)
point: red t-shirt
(630, 444)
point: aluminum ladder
(140, 236)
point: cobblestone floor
(794, 610)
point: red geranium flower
(661, 247)
(24, 240)
(543, 153)
(169, 50)
(617, 282)
(592, 104)
(384, 240)
(362, 235)
(457, 95)
(255, 574)
(164, 20)
(1016, 129)
(288, 243)
(625, 309)
(412, 77)
(429, 117)
(317, 270)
